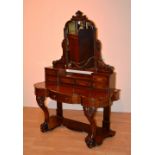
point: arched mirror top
(77, 23)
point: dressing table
(80, 76)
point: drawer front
(100, 85)
(49, 80)
(100, 78)
(64, 80)
(60, 97)
(73, 98)
(100, 82)
(83, 83)
(64, 98)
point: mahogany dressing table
(79, 77)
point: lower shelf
(101, 133)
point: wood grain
(62, 141)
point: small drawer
(51, 78)
(100, 85)
(64, 80)
(64, 98)
(83, 83)
(100, 78)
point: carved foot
(44, 127)
(90, 141)
(112, 133)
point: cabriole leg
(41, 103)
(90, 139)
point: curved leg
(90, 139)
(41, 103)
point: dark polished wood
(40, 101)
(81, 51)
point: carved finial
(79, 13)
(79, 16)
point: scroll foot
(44, 127)
(90, 141)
